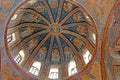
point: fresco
(55, 56)
(68, 53)
(116, 72)
(29, 46)
(94, 73)
(49, 35)
(98, 8)
(8, 72)
(41, 53)
(111, 49)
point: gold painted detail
(55, 28)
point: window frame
(87, 56)
(9, 38)
(72, 69)
(33, 69)
(53, 75)
(18, 58)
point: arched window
(20, 57)
(35, 68)
(72, 68)
(14, 17)
(32, 2)
(11, 37)
(93, 37)
(53, 74)
(87, 56)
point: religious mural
(8, 72)
(68, 53)
(55, 56)
(41, 54)
(42, 30)
(94, 73)
(68, 6)
(26, 32)
(29, 46)
(82, 30)
(46, 23)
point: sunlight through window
(20, 57)
(14, 17)
(9, 38)
(93, 37)
(87, 56)
(72, 68)
(53, 74)
(35, 68)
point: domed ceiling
(50, 31)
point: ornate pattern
(53, 31)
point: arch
(104, 37)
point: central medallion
(55, 29)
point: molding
(104, 36)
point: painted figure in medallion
(68, 6)
(76, 17)
(55, 55)
(82, 30)
(53, 3)
(28, 31)
(78, 43)
(31, 44)
(42, 52)
(67, 53)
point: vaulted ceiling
(51, 31)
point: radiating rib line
(12, 29)
(49, 11)
(35, 51)
(19, 44)
(50, 48)
(59, 10)
(29, 24)
(72, 47)
(60, 48)
(82, 23)
(77, 24)
(68, 15)
(69, 43)
(37, 14)
(79, 36)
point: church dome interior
(59, 39)
(51, 35)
